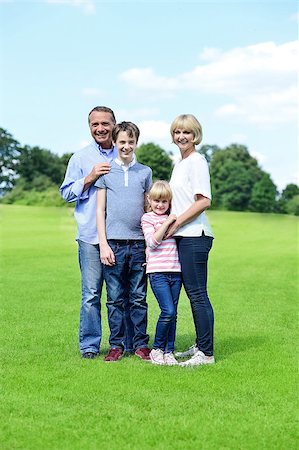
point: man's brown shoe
(143, 353)
(114, 354)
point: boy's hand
(107, 255)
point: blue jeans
(193, 254)
(90, 327)
(166, 288)
(127, 280)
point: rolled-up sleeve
(72, 187)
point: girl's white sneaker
(169, 359)
(198, 359)
(157, 356)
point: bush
(292, 206)
(33, 197)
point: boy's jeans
(90, 328)
(166, 287)
(127, 278)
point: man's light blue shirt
(80, 165)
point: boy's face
(126, 146)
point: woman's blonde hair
(187, 122)
(160, 190)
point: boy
(120, 206)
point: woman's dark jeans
(193, 254)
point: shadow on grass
(227, 346)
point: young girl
(163, 269)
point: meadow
(51, 399)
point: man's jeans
(193, 254)
(166, 288)
(90, 329)
(127, 278)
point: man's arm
(106, 254)
(75, 185)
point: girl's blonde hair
(160, 190)
(187, 122)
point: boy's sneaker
(198, 359)
(169, 359)
(190, 352)
(143, 353)
(114, 354)
(157, 356)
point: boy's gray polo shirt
(125, 199)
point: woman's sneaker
(157, 356)
(198, 359)
(190, 352)
(169, 359)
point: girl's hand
(107, 255)
(171, 218)
(172, 229)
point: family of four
(122, 244)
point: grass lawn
(53, 399)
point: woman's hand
(107, 255)
(172, 229)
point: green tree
(9, 154)
(157, 159)
(34, 162)
(209, 151)
(233, 174)
(292, 206)
(263, 195)
(290, 191)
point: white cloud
(88, 6)
(135, 114)
(295, 17)
(91, 92)
(261, 158)
(151, 130)
(260, 81)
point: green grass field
(53, 399)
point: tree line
(32, 175)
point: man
(84, 168)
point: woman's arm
(106, 254)
(201, 204)
(154, 237)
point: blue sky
(233, 64)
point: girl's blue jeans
(166, 287)
(193, 254)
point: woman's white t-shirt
(190, 177)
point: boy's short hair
(187, 122)
(160, 190)
(129, 127)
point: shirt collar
(120, 163)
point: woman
(190, 184)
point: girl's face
(159, 206)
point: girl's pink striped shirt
(160, 257)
